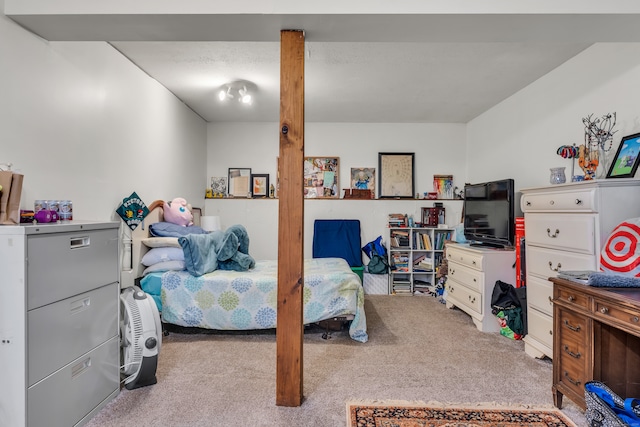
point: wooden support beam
(289, 327)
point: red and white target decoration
(621, 252)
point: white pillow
(164, 266)
(161, 242)
(156, 255)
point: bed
(241, 300)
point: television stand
(473, 272)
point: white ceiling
(358, 68)
(352, 82)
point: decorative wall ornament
(598, 140)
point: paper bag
(10, 197)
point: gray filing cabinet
(59, 342)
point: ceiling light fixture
(238, 90)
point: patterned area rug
(400, 414)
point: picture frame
(396, 175)
(239, 180)
(260, 185)
(363, 179)
(626, 161)
(321, 177)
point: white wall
(519, 137)
(83, 123)
(438, 149)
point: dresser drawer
(65, 330)
(540, 327)
(65, 397)
(572, 326)
(468, 277)
(574, 233)
(572, 298)
(468, 259)
(540, 295)
(559, 201)
(64, 264)
(545, 263)
(465, 296)
(610, 314)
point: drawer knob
(528, 203)
(451, 289)
(635, 319)
(604, 310)
(571, 298)
(558, 267)
(571, 380)
(578, 202)
(554, 235)
(551, 202)
(571, 353)
(570, 326)
(472, 299)
(550, 300)
(550, 332)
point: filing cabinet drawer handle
(571, 380)
(554, 235)
(558, 267)
(81, 367)
(80, 242)
(80, 305)
(570, 326)
(571, 353)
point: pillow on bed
(156, 255)
(161, 242)
(164, 266)
(168, 229)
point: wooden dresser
(596, 336)
(566, 226)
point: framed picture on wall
(363, 179)
(625, 163)
(321, 178)
(239, 182)
(396, 180)
(260, 184)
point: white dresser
(59, 303)
(473, 272)
(566, 226)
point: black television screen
(489, 213)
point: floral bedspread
(234, 300)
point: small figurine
(272, 191)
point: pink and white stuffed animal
(178, 211)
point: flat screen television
(489, 213)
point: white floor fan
(140, 338)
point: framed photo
(321, 179)
(363, 179)
(260, 184)
(625, 163)
(218, 185)
(239, 182)
(396, 179)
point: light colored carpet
(418, 350)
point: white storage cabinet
(566, 226)
(473, 272)
(59, 312)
